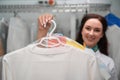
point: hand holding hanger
(44, 23)
(48, 41)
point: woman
(91, 35)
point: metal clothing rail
(99, 7)
(56, 8)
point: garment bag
(114, 46)
(18, 34)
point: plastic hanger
(44, 41)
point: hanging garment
(112, 19)
(31, 22)
(57, 63)
(113, 36)
(18, 34)
(3, 36)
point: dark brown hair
(103, 43)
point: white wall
(115, 8)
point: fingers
(45, 20)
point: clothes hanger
(47, 40)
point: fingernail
(44, 25)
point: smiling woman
(92, 30)
(91, 33)
(92, 36)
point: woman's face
(92, 32)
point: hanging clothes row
(113, 36)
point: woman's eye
(87, 28)
(97, 30)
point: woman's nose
(91, 32)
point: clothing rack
(84, 7)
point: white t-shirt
(58, 63)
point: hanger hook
(53, 27)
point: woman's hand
(44, 23)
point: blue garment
(112, 19)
